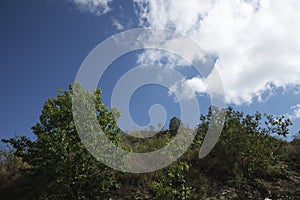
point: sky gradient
(43, 44)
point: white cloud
(187, 88)
(295, 112)
(117, 25)
(256, 41)
(97, 7)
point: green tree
(61, 167)
(11, 168)
(247, 145)
(116, 113)
(293, 153)
(174, 125)
(171, 183)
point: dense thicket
(248, 162)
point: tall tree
(61, 167)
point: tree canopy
(58, 159)
(247, 162)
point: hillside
(247, 162)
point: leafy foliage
(174, 125)
(248, 162)
(172, 183)
(246, 147)
(58, 159)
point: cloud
(256, 42)
(295, 112)
(117, 25)
(187, 88)
(97, 7)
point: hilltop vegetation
(248, 162)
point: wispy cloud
(117, 25)
(256, 42)
(97, 7)
(294, 112)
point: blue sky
(43, 44)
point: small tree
(116, 113)
(174, 125)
